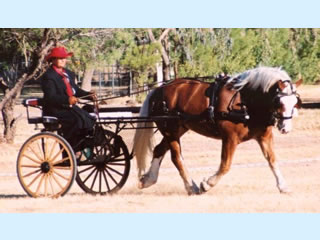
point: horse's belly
(206, 129)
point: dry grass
(248, 187)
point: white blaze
(288, 110)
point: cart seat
(44, 120)
(49, 119)
(33, 102)
(50, 123)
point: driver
(61, 95)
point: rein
(95, 104)
(96, 109)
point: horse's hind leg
(266, 144)
(177, 160)
(151, 176)
(228, 148)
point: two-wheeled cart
(47, 165)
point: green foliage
(142, 59)
(194, 52)
(236, 50)
(91, 48)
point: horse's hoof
(140, 185)
(145, 181)
(141, 182)
(204, 187)
(285, 191)
(193, 190)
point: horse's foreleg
(151, 176)
(228, 148)
(266, 144)
(177, 160)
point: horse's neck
(257, 100)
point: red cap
(58, 52)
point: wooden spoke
(94, 180)
(100, 187)
(116, 164)
(30, 166)
(57, 181)
(51, 151)
(117, 160)
(29, 185)
(109, 174)
(39, 148)
(46, 148)
(121, 154)
(55, 156)
(46, 185)
(39, 184)
(113, 170)
(62, 167)
(51, 185)
(60, 161)
(106, 180)
(60, 175)
(90, 175)
(46, 155)
(31, 173)
(86, 169)
(32, 159)
(35, 153)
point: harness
(277, 101)
(234, 115)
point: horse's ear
(299, 82)
(281, 85)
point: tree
(32, 46)
(90, 48)
(142, 60)
(29, 47)
(164, 50)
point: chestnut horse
(262, 97)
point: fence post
(130, 83)
(99, 83)
(112, 80)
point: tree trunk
(163, 50)
(87, 79)
(176, 70)
(159, 74)
(166, 60)
(8, 101)
(9, 121)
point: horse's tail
(143, 142)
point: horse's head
(286, 103)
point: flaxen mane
(262, 78)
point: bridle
(277, 101)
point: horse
(263, 97)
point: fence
(112, 80)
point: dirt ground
(249, 186)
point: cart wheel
(109, 168)
(46, 165)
